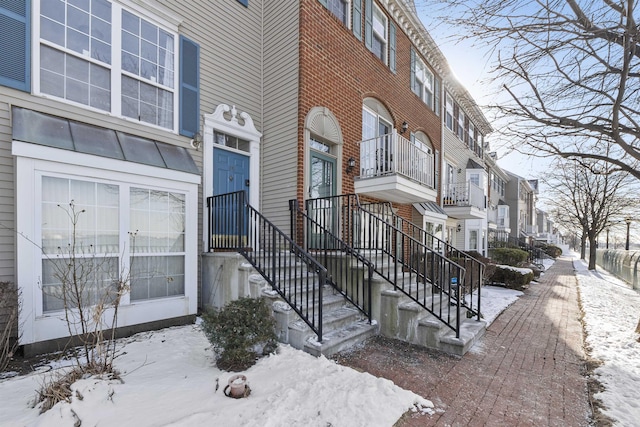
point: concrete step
(341, 339)
(471, 331)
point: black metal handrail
(349, 273)
(474, 268)
(292, 272)
(427, 277)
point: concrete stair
(406, 320)
(394, 314)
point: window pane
(100, 77)
(130, 23)
(87, 281)
(77, 42)
(78, 20)
(101, 9)
(156, 277)
(52, 31)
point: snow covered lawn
(612, 310)
(170, 377)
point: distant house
(521, 196)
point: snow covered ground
(169, 378)
(612, 310)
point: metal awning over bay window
(394, 169)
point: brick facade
(337, 71)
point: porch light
(405, 126)
(351, 164)
(196, 142)
(459, 228)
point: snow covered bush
(240, 332)
(512, 277)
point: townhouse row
(129, 114)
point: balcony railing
(464, 194)
(393, 154)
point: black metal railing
(474, 269)
(292, 272)
(349, 273)
(428, 277)
(502, 239)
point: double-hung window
(424, 82)
(449, 112)
(339, 8)
(99, 54)
(380, 37)
(461, 126)
(472, 136)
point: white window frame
(449, 111)
(471, 137)
(461, 128)
(375, 33)
(152, 12)
(347, 3)
(32, 162)
(426, 83)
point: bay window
(83, 225)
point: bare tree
(589, 202)
(568, 70)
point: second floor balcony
(464, 200)
(394, 169)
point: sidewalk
(525, 371)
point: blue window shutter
(368, 23)
(437, 89)
(15, 44)
(414, 85)
(392, 47)
(189, 87)
(357, 18)
(245, 3)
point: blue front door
(230, 174)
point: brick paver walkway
(526, 370)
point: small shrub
(509, 256)
(237, 330)
(512, 279)
(552, 250)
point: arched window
(323, 149)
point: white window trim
(32, 162)
(385, 39)
(348, 14)
(148, 10)
(449, 112)
(217, 121)
(424, 89)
